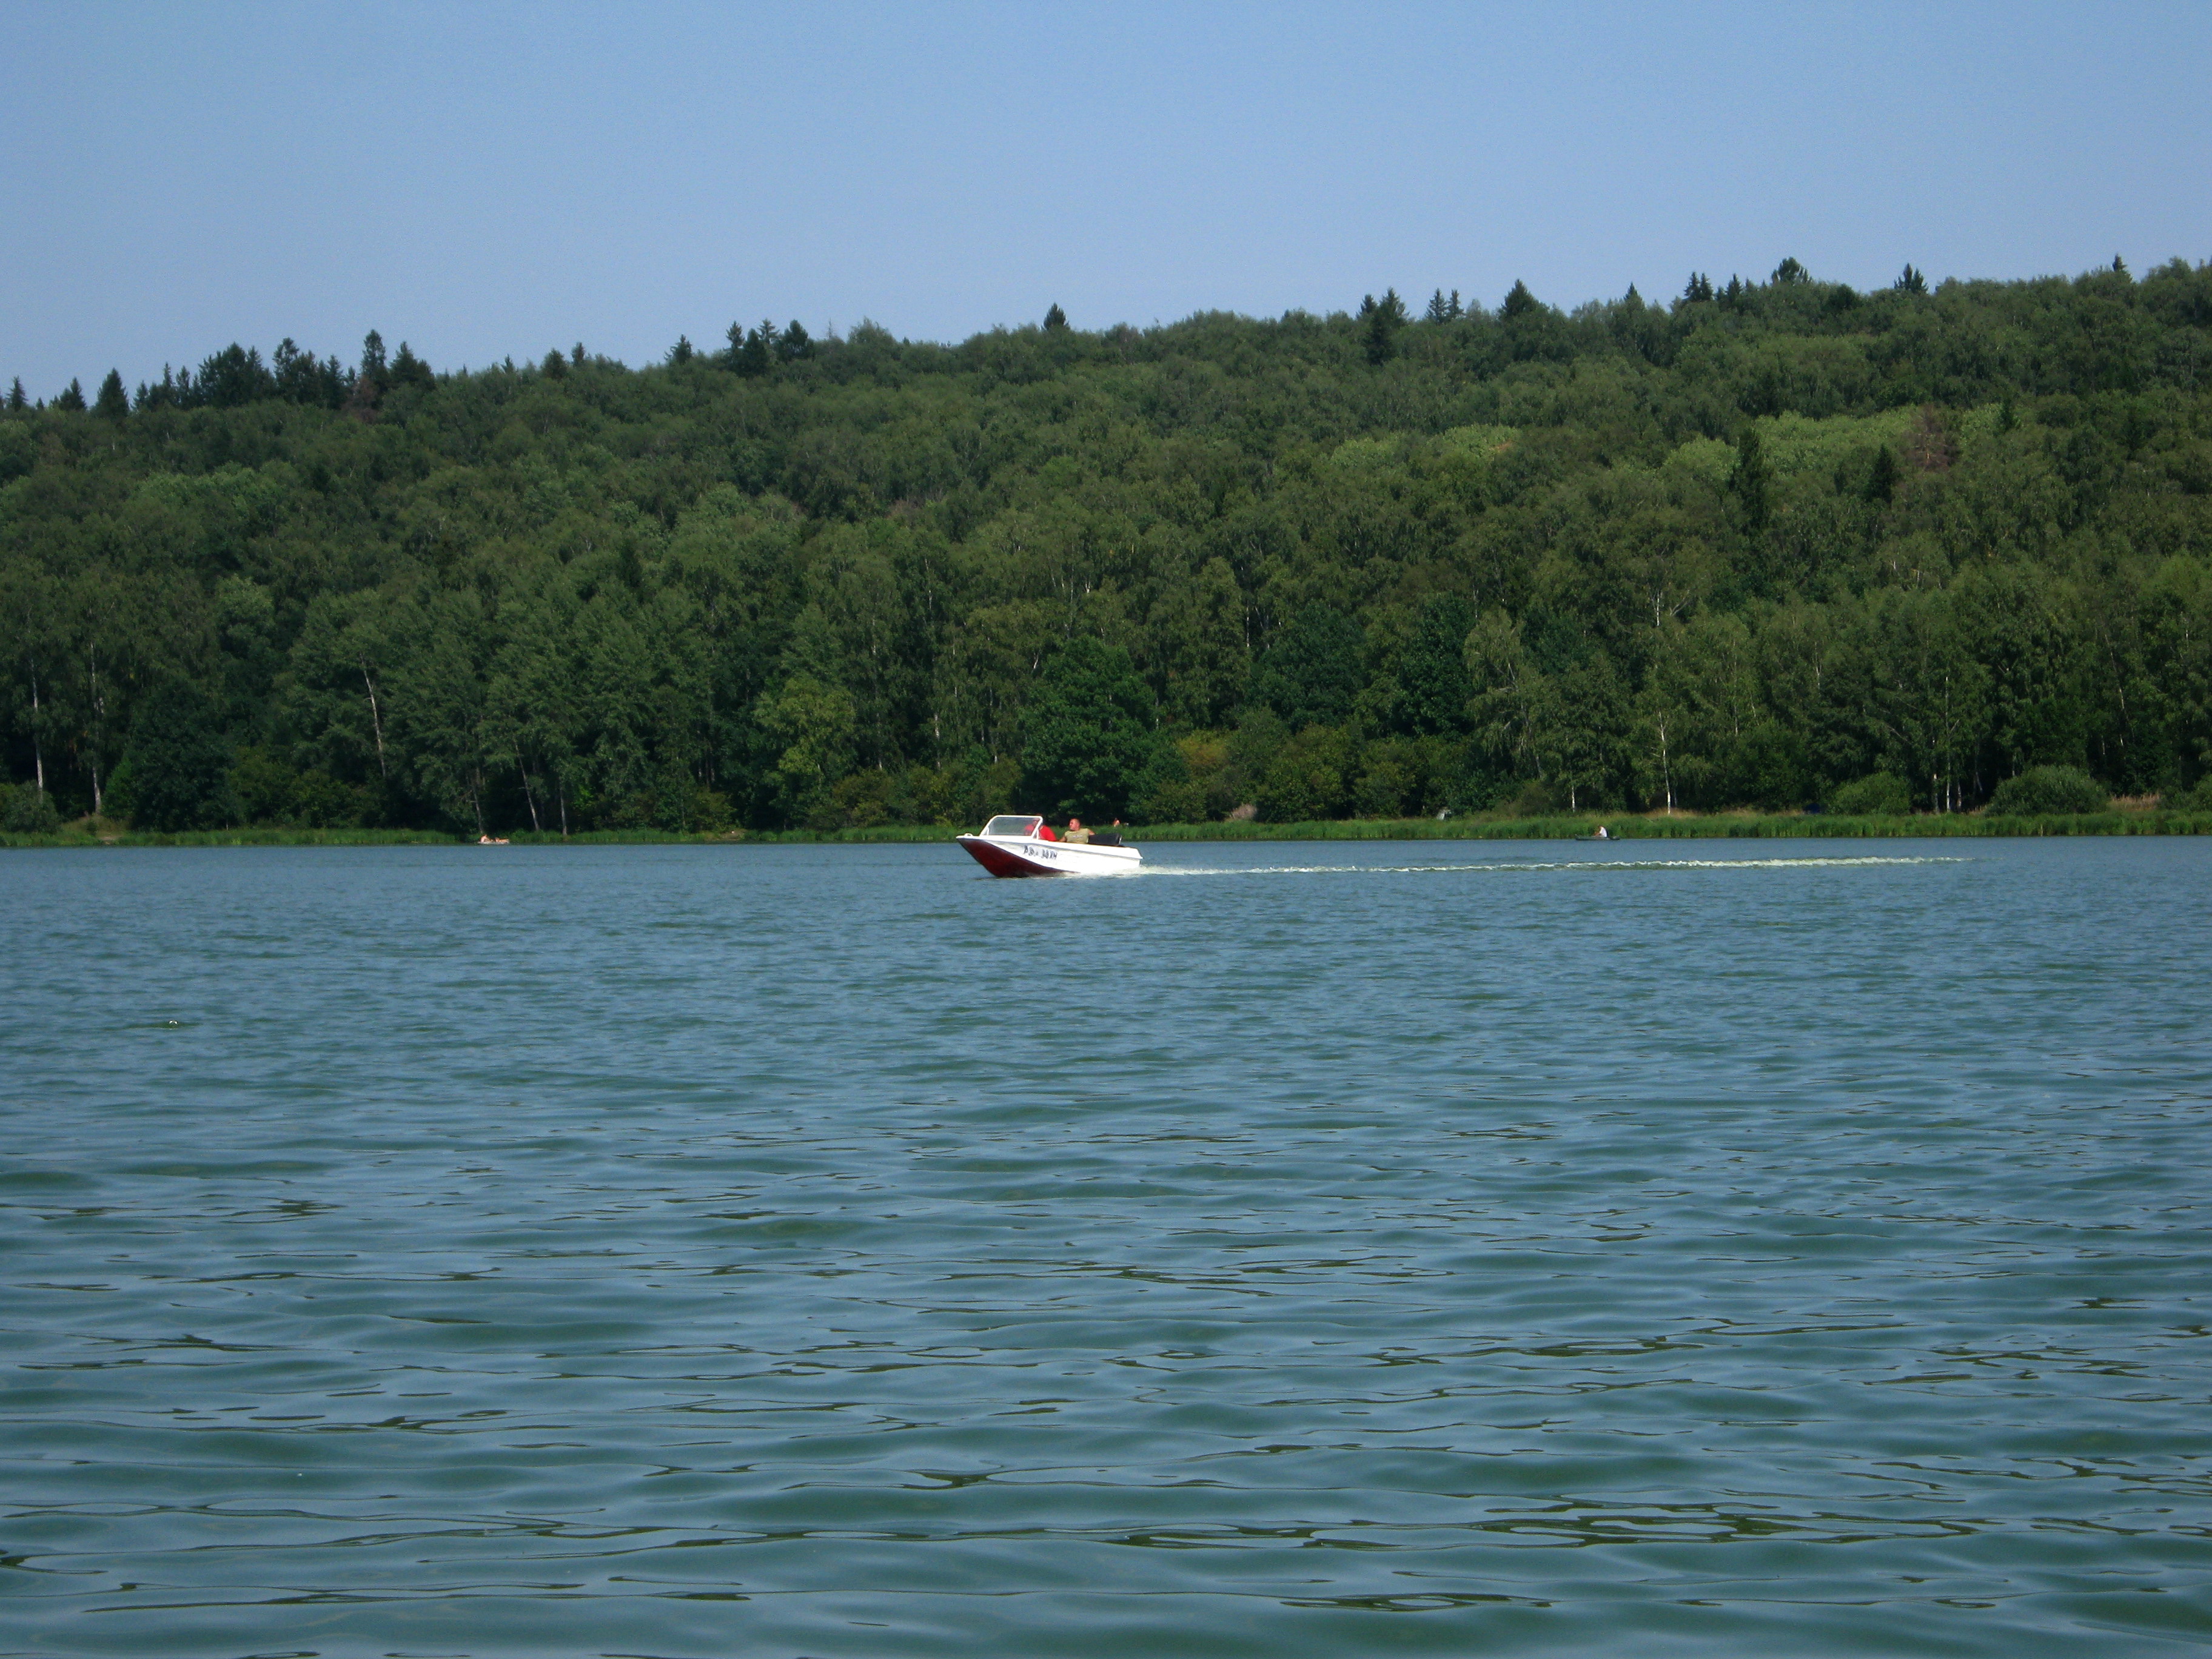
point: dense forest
(1771, 543)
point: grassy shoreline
(1582, 827)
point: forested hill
(1753, 546)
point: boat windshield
(1006, 824)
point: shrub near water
(27, 809)
(1883, 795)
(2047, 789)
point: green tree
(812, 725)
(1310, 673)
(2174, 619)
(1203, 622)
(33, 610)
(532, 711)
(408, 369)
(439, 706)
(1591, 726)
(1881, 478)
(1310, 777)
(1665, 715)
(985, 675)
(1381, 321)
(1430, 669)
(1751, 482)
(1929, 698)
(375, 372)
(175, 773)
(748, 349)
(335, 697)
(1088, 732)
(1514, 705)
(112, 627)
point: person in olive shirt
(1077, 833)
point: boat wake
(1540, 864)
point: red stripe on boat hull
(1000, 862)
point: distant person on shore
(1077, 833)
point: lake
(1748, 1248)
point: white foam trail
(1540, 864)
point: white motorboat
(1010, 845)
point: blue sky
(488, 181)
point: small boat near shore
(1014, 845)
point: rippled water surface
(1427, 1249)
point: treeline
(1769, 544)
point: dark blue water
(1439, 1249)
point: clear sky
(490, 180)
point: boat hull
(1006, 856)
